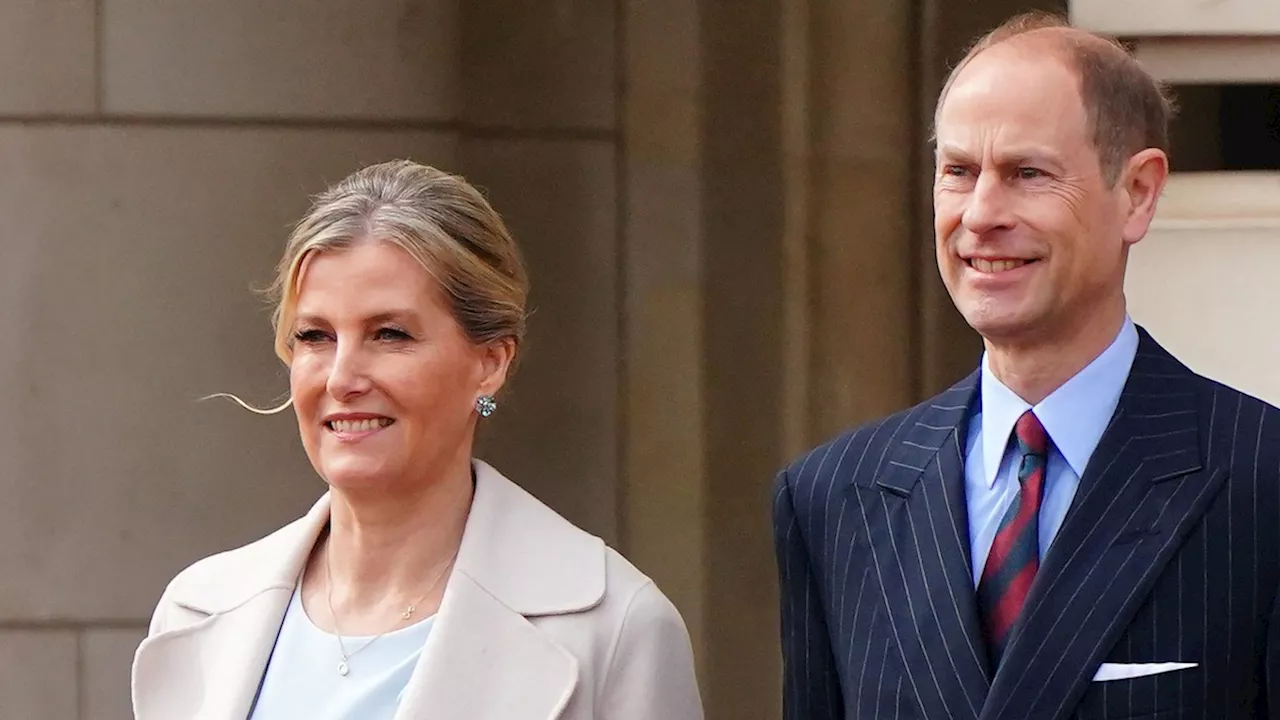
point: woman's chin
(356, 476)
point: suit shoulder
(859, 449)
(1217, 392)
(1233, 418)
(1224, 411)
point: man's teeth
(353, 426)
(996, 266)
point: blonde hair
(440, 220)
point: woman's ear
(496, 358)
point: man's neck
(1034, 370)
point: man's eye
(1030, 173)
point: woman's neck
(387, 550)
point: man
(1083, 527)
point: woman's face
(384, 381)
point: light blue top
(1075, 416)
(302, 680)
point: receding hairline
(1062, 38)
(1060, 42)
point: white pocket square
(1126, 671)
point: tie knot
(1031, 434)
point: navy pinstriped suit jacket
(1170, 553)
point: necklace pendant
(408, 613)
(343, 669)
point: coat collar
(560, 568)
(527, 556)
(484, 658)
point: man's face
(1030, 240)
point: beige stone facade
(1202, 280)
(725, 211)
(152, 158)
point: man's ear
(1142, 181)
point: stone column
(154, 158)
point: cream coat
(539, 621)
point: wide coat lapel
(1143, 491)
(917, 528)
(212, 669)
(486, 659)
(206, 655)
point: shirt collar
(1075, 415)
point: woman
(424, 584)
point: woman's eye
(390, 333)
(310, 336)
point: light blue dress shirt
(1074, 416)
(302, 681)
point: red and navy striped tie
(1015, 552)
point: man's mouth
(984, 265)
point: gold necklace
(344, 666)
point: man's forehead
(1012, 112)
(1005, 82)
(1006, 155)
(1021, 58)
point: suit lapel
(917, 526)
(484, 660)
(1142, 492)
